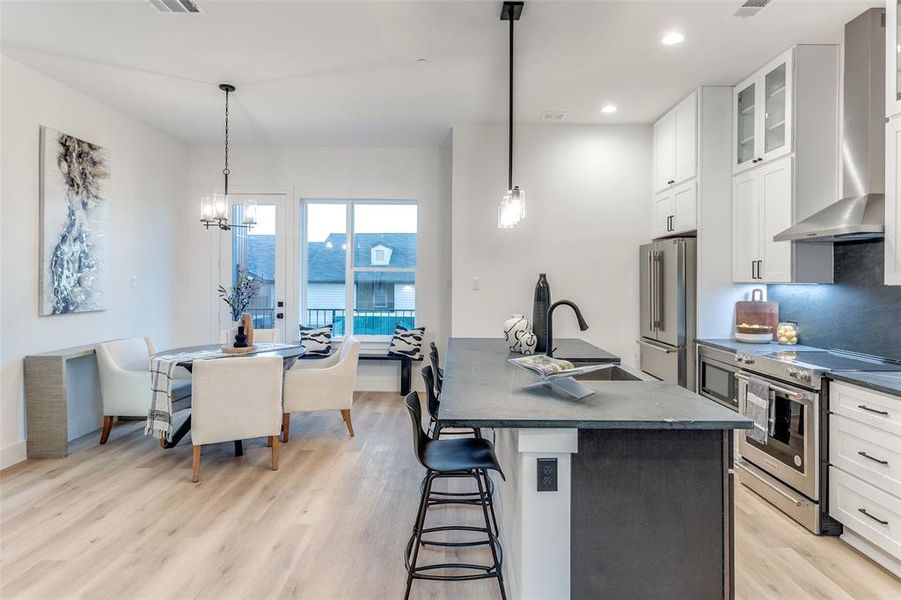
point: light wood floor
(125, 521)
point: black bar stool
(437, 371)
(433, 402)
(458, 458)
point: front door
(260, 252)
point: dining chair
(322, 384)
(125, 382)
(236, 399)
(437, 371)
(259, 335)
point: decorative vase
(527, 341)
(240, 339)
(539, 312)
(512, 327)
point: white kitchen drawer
(873, 408)
(866, 452)
(869, 512)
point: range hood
(860, 214)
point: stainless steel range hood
(860, 214)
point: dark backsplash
(856, 313)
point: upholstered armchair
(125, 385)
(322, 384)
(236, 399)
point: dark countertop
(481, 389)
(730, 345)
(576, 350)
(888, 382)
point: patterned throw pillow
(316, 340)
(407, 342)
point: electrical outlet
(547, 474)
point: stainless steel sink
(616, 373)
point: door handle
(873, 458)
(884, 413)
(877, 519)
(656, 347)
(759, 269)
(753, 269)
(279, 315)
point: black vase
(241, 338)
(539, 312)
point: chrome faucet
(550, 322)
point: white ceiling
(346, 74)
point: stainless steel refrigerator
(667, 296)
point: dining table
(288, 352)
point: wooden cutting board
(757, 311)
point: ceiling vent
(175, 7)
(553, 115)
(750, 8)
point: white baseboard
(12, 454)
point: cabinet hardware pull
(877, 519)
(873, 458)
(884, 413)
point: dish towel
(757, 408)
(162, 367)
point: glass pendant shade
(250, 212)
(206, 209)
(220, 207)
(512, 208)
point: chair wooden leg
(195, 475)
(286, 427)
(107, 427)
(273, 439)
(345, 414)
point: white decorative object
(527, 341)
(512, 326)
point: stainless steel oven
(791, 453)
(716, 376)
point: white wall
(587, 210)
(421, 174)
(148, 181)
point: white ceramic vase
(512, 326)
(527, 341)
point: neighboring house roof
(326, 261)
(261, 256)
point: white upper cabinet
(761, 209)
(763, 106)
(892, 58)
(675, 145)
(785, 169)
(893, 201)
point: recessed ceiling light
(672, 38)
(609, 109)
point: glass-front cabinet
(763, 110)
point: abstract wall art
(74, 175)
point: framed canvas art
(74, 175)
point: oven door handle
(792, 393)
(658, 348)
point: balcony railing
(366, 322)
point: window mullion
(348, 272)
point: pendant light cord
(226, 170)
(510, 131)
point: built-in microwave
(716, 376)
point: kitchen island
(640, 504)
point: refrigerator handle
(651, 289)
(658, 300)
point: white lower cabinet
(865, 471)
(893, 201)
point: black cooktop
(831, 361)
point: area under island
(643, 500)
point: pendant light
(214, 211)
(512, 208)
